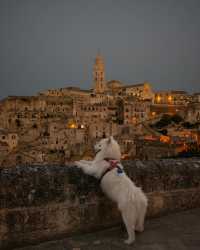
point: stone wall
(39, 203)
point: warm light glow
(158, 98)
(170, 98)
(153, 113)
(165, 139)
(82, 126)
(73, 125)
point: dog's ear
(110, 139)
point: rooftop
(178, 231)
(77, 89)
(134, 85)
(182, 92)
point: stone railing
(39, 203)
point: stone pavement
(178, 231)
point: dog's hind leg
(129, 221)
(140, 217)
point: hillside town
(61, 125)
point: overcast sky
(52, 43)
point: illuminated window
(158, 99)
(169, 98)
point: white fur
(131, 201)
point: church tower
(98, 75)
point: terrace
(47, 203)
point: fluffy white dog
(131, 201)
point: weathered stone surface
(39, 203)
(177, 231)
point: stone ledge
(46, 202)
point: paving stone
(180, 231)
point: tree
(188, 125)
(164, 121)
(177, 119)
(163, 131)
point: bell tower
(98, 75)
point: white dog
(116, 184)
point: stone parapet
(39, 203)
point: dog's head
(108, 148)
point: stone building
(149, 149)
(62, 135)
(102, 129)
(196, 97)
(193, 112)
(91, 113)
(58, 105)
(23, 103)
(170, 102)
(59, 124)
(136, 111)
(193, 109)
(10, 138)
(142, 91)
(172, 97)
(4, 151)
